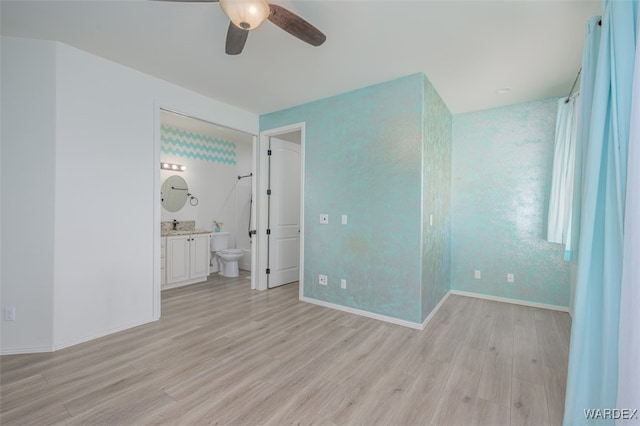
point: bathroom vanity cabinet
(186, 259)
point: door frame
(261, 166)
(158, 106)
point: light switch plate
(10, 313)
(344, 219)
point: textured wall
(436, 250)
(363, 158)
(502, 163)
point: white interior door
(284, 213)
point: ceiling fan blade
(236, 38)
(296, 26)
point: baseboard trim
(101, 334)
(508, 300)
(29, 350)
(57, 347)
(392, 320)
(435, 309)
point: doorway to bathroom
(216, 164)
(280, 189)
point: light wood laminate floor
(223, 354)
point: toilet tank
(219, 241)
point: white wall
(244, 155)
(212, 184)
(28, 168)
(95, 201)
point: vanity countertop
(172, 233)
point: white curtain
(629, 337)
(560, 202)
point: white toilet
(227, 258)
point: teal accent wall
(502, 165)
(436, 195)
(186, 144)
(364, 158)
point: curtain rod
(577, 76)
(573, 87)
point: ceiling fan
(246, 15)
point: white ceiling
(468, 49)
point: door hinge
(254, 232)
(268, 152)
(268, 192)
(268, 231)
(268, 271)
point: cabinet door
(200, 255)
(177, 258)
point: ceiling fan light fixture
(246, 14)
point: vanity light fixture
(174, 167)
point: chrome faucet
(175, 224)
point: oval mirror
(174, 193)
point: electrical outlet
(477, 274)
(343, 283)
(324, 219)
(10, 313)
(322, 279)
(510, 278)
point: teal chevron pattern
(201, 147)
(186, 144)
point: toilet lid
(231, 251)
